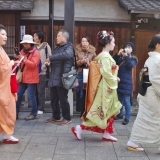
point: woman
(7, 99)
(105, 105)
(126, 61)
(30, 75)
(45, 51)
(84, 54)
(147, 124)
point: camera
(16, 50)
(124, 51)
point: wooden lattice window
(8, 20)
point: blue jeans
(125, 101)
(31, 93)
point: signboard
(22, 32)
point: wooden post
(69, 21)
(69, 24)
(17, 28)
(51, 33)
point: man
(45, 51)
(61, 62)
(126, 62)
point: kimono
(146, 127)
(105, 105)
(7, 99)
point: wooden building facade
(136, 22)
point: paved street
(42, 141)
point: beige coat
(7, 100)
(42, 51)
(80, 54)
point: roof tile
(16, 4)
(141, 5)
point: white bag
(85, 75)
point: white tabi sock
(78, 130)
(132, 144)
(9, 137)
(108, 136)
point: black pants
(80, 102)
(41, 92)
(59, 94)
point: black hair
(86, 37)
(2, 27)
(104, 38)
(40, 35)
(154, 41)
(32, 45)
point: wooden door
(142, 38)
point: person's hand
(46, 63)
(124, 54)
(84, 61)
(12, 62)
(109, 90)
(15, 96)
(118, 79)
(120, 51)
(16, 62)
(17, 56)
(87, 61)
(47, 60)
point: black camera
(124, 51)
(16, 50)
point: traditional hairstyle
(104, 37)
(40, 35)
(154, 41)
(86, 37)
(2, 27)
(65, 33)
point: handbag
(85, 75)
(19, 76)
(70, 80)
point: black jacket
(62, 59)
(125, 72)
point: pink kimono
(7, 100)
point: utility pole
(69, 24)
(69, 20)
(51, 15)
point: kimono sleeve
(106, 71)
(154, 73)
(5, 68)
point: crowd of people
(99, 104)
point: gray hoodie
(42, 52)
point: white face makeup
(3, 37)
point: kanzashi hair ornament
(104, 34)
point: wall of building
(85, 10)
(40, 10)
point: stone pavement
(48, 141)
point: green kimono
(105, 104)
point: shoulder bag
(20, 72)
(70, 80)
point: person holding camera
(126, 62)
